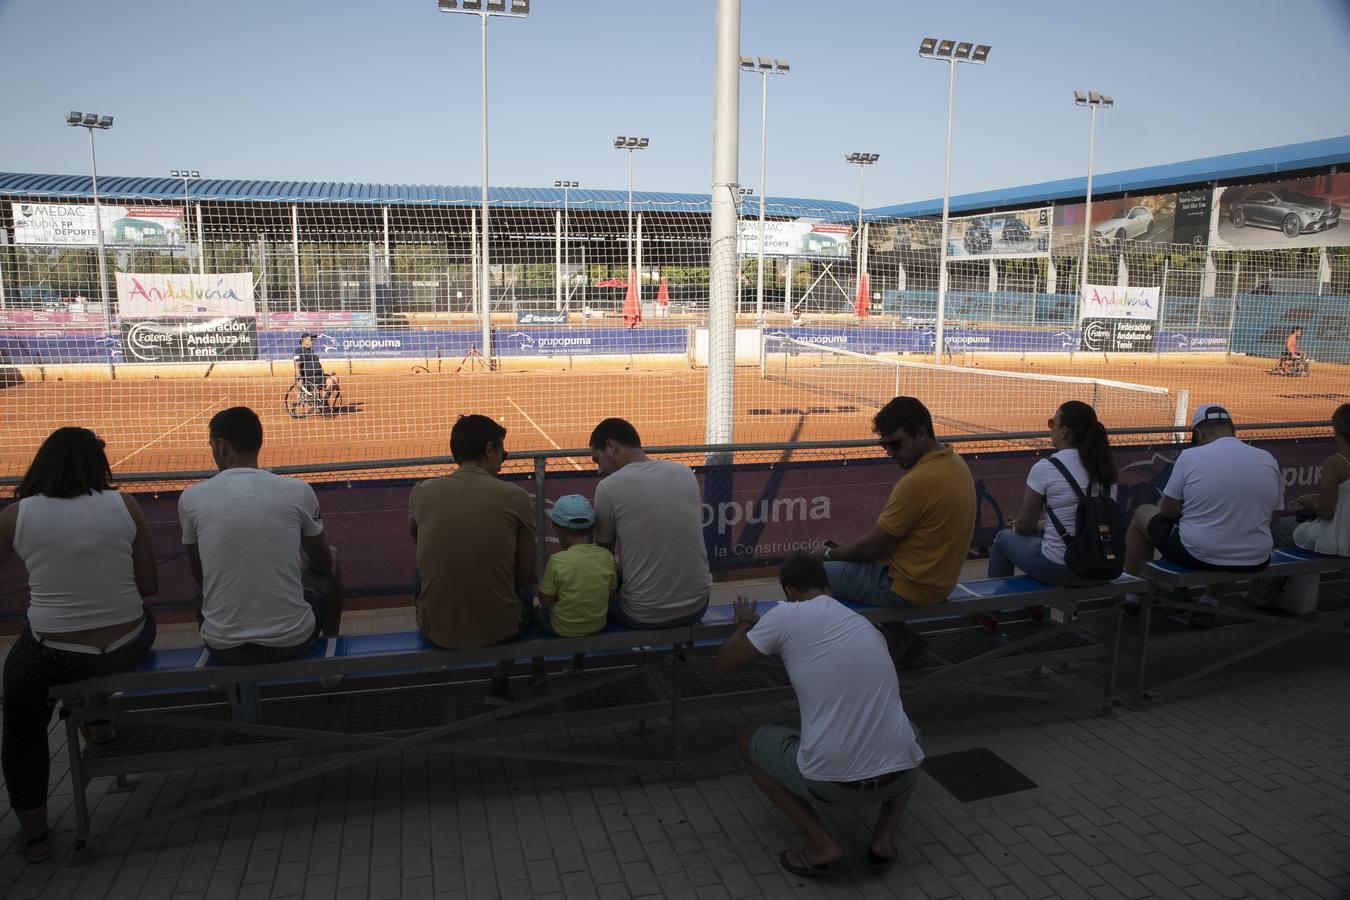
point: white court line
(569, 460)
(181, 424)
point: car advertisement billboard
(799, 239)
(150, 296)
(1161, 218)
(1007, 234)
(72, 225)
(1297, 212)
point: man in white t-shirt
(1218, 505)
(855, 745)
(652, 509)
(245, 530)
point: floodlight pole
(763, 68)
(98, 232)
(514, 9)
(946, 213)
(862, 161)
(951, 52)
(630, 276)
(485, 279)
(1093, 101)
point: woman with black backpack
(1076, 484)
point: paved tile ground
(1239, 787)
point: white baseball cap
(1210, 412)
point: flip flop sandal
(805, 869)
(879, 863)
(32, 854)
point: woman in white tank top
(90, 562)
(1329, 531)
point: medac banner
(1119, 319)
(799, 239)
(73, 225)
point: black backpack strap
(1050, 513)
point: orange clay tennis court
(159, 425)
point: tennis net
(962, 398)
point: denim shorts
(773, 749)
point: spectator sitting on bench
(579, 580)
(1217, 508)
(913, 555)
(266, 577)
(475, 550)
(855, 744)
(1033, 545)
(652, 510)
(90, 562)
(1321, 521)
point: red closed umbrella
(663, 295)
(632, 307)
(862, 303)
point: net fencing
(962, 399)
(199, 304)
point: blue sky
(388, 91)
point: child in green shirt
(578, 581)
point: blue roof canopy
(1227, 167)
(171, 189)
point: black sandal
(806, 869)
(29, 845)
(878, 862)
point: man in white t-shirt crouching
(245, 530)
(1217, 509)
(855, 744)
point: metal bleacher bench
(179, 710)
(1278, 626)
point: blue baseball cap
(572, 511)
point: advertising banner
(1101, 301)
(72, 225)
(1162, 218)
(800, 239)
(541, 317)
(1007, 235)
(153, 296)
(1119, 335)
(1298, 212)
(178, 341)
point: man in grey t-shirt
(653, 510)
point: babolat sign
(189, 340)
(541, 317)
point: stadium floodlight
(1093, 101)
(188, 175)
(629, 143)
(862, 161)
(515, 9)
(950, 52)
(763, 67)
(90, 121)
(559, 300)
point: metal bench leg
(244, 701)
(1112, 661)
(123, 785)
(79, 782)
(1141, 655)
(677, 687)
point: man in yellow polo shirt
(913, 555)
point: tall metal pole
(187, 232)
(763, 123)
(1087, 210)
(483, 274)
(946, 202)
(98, 231)
(566, 292)
(862, 245)
(722, 248)
(629, 277)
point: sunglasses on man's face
(891, 446)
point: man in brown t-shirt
(475, 549)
